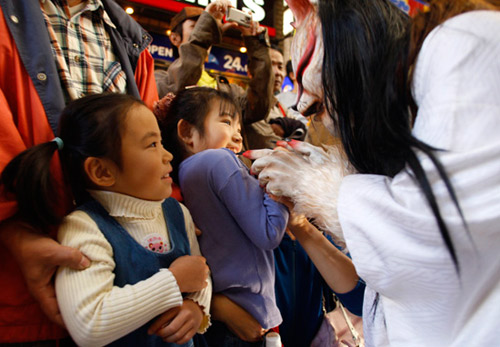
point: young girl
(240, 224)
(138, 240)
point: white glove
(309, 176)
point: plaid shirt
(82, 48)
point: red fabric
(24, 124)
(282, 110)
(176, 193)
(145, 79)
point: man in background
(194, 31)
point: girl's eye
(227, 121)
(154, 144)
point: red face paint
(300, 9)
(305, 60)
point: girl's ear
(101, 172)
(185, 131)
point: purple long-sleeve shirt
(240, 224)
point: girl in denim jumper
(147, 284)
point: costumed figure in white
(415, 193)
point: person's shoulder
(215, 155)
(209, 164)
(461, 35)
(78, 223)
(184, 209)
(475, 16)
(481, 22)
(211, 158)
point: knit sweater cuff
(203, 299)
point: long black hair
(193, 106)
(89, 127)
(365, 79)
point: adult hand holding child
(38, 257)
(295, 172)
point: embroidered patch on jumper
(155, 243)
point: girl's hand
(179, 324)
(239, 321)
(191, 273)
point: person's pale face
(221, 131)
(307, 60)
(278, 69)
(146, 168)
(187, 29)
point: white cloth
(94, 310)
(390, 231)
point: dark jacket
(27, 26)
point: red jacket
(24, 123)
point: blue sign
(161, 48)
(219, 59)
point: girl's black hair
(89, 127)
(191, 105)
(365, 79)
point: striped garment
(82, 48)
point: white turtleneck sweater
(94, 310)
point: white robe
(390, 231)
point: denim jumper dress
(135, 263)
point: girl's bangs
(228, 107)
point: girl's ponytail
(91, 127)
(28, 177)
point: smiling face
(307, 59)
(222, 129)
(145, 163)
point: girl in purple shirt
(241, 225)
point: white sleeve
(391, 233)
(204, 296)
(94, 310)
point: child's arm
(239, 321)
(94, 310)
(261, 218)
(178, 325)
(239, 197)
(204, 296)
